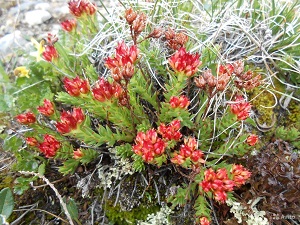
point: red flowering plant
(156, 111)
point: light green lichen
(242, 215)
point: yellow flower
(40, 48)
(21, 71)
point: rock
(10, 42)
(21, 7)
(55, 29)
(42, 6)
(36, 17)
(60, 12)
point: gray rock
(61, 12)
(42, 6)
(10, 42)
(36, 17)
(21, 7)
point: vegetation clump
(143, 119)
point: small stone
(42, 6)
(36, 17)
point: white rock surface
(36, 17)
(10, 42)
(42, 6)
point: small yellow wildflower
(40, 48)
(21, 71)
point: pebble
(36, 17)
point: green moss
(6, 181)
(294, 114)
(118, 217)
(131, 209)
(260, 101)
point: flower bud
(130, 15)
(156, 33)
(78, 154)
(238, 67)
(47, 108)
(252, 139)
(26, 118)
(76, 86)
(50, 53)
(50, 146)
(200, 82)
(68, 25)
(31, 141)
(139, 24)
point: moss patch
(6, 181)
(294, 114)
(118, 217)
(260, 101)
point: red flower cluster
(218, 183)
(204, 221)
(179, 102)
(136, 21)
(79, 8)
(240, 175)
(171, 131)
(50, 146)
(26, 118)
(188, 150)
(31, 141)
(106, 91)
(50, 53)
(208, 81)
(184, 62)
(130, 15)
(175, 40)
(148, 145)
(224, 74)
(228, 68)
(76, 86)
(245, 80)
(47, 108)
(252, 139)
(122, 65)
(69, 121)
(240, 108)
(68, 25)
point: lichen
(159, 218)
(252, 217)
